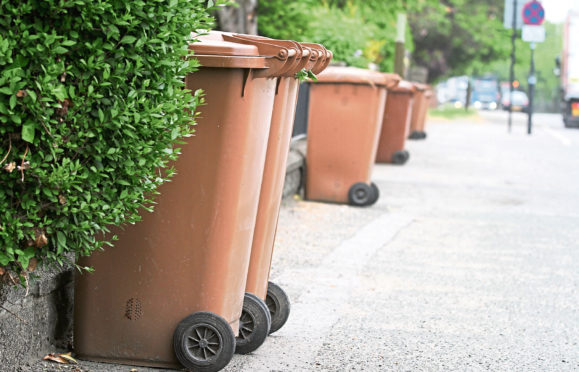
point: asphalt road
(468, 262)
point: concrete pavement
(468, 262)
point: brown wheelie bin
(314, 58)
(272, 188)
(171, 290)
(396, 124)
(345, 115)
(419, 111)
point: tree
(241, 19)
(459, 36)
(366, 31)
(547, 90)
(286, 20)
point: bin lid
(393, 80)
(421, 87)
(226, 50)
(213, 43)
(353, 75)
(320, 57)
(297, 55)
(404, 87)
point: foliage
(306, 75)
(91, 106)
(348, 42)
(548, 84)
(449, 36)
(315, 21)
(286, 20)
(358, 32)
(384, 15)
(453, 113)
(459, 36)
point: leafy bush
(348, 41)
(91, 107)
(286, 20)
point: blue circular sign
(533, 13)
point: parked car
(520, 101)
(485, 93)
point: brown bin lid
(320, 57)
(353, 75)
(214, 44)
(311, 56)
(393, 80)
(297, 55)
(421, 87)
(227, 50)
(404, 87)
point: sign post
(533, 17)
(512, 5)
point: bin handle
(292, 66)
(277, 53)
(323, 66)
(303, 62)
(323, 59)
(393, 81)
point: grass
(452, 113)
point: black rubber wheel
(204, 342)
(414, 135)
(254, 324)
(400, 157)
(374, 194)
(279, 306)
(360, 194)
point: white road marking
(558, 136)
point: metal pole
(512, 78)
(532, 82)
(400, 48)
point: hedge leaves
(92, 107)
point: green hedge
(92, 106)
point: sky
(556, 10)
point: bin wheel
(400, 157)
(254, 324)
(204, 342)
(360, 194)
(417, 135)
(279, 306)
(374, 194)
(414, 135)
